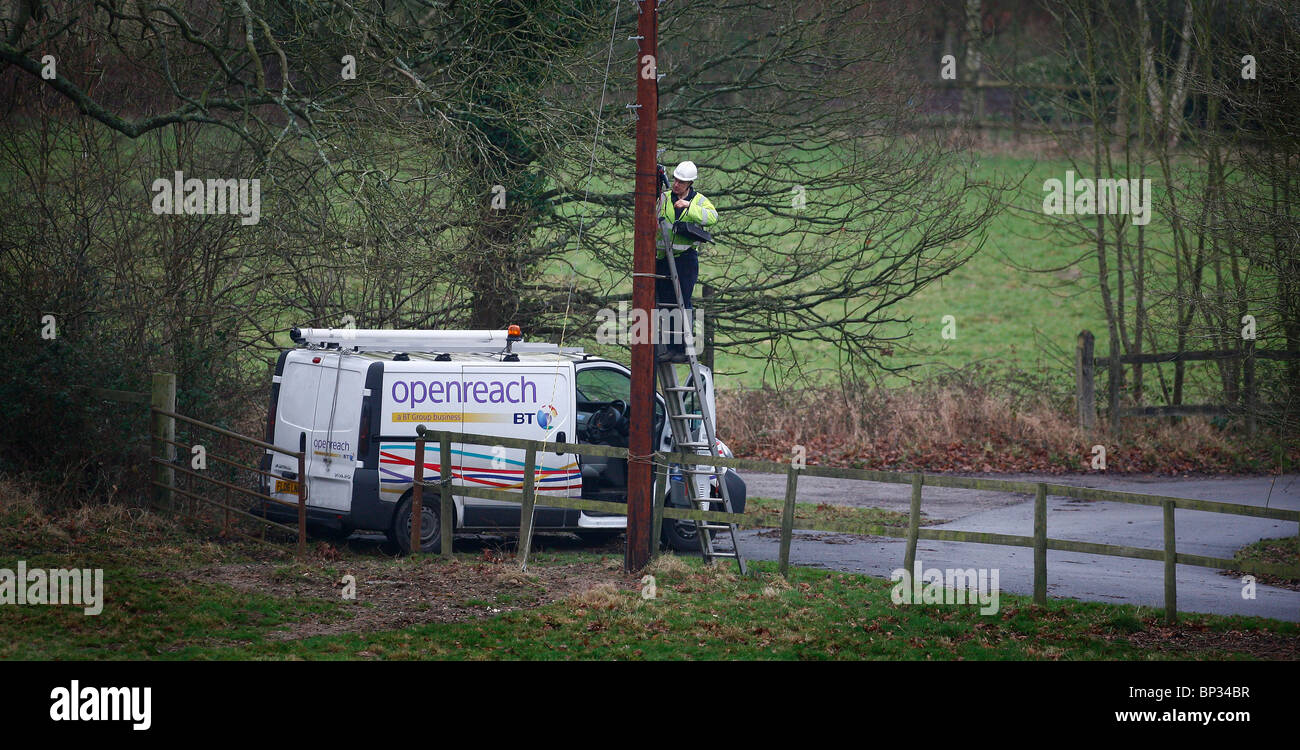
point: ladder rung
(700, 471)
(694, 445)
(715, 527)
(681, 388)
(716, 553)
(686, 416)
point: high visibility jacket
(700, 211)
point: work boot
(672, 353)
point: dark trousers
(688, 272)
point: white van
(353, 399)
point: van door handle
(559, 438)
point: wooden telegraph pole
(640, 474)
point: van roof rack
(379, 339)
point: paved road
(1074, 575)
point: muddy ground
(391, 595)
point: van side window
(597, 386)
(603, 384)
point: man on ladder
(682, 216)
(687, 212)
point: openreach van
(352, 399)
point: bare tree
(1165, 100)
(379, 189)
(829, 214)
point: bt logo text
(75, 703)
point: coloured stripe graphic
(397, 469)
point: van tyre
(680, 536)
(430, 526)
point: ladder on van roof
(509, 341)
(700, 440)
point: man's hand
(682, 203)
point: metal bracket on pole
(634, 108)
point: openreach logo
(663, 326)
(82, 587)
(194, 196)
(951, 586)
(76, 703)
(1088, 197)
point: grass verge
(170, 595)
(767, 512)
(1283, 551)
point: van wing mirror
(559, 438)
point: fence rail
(165, 466)
(1040, 542)
(163, 459)
(163, 462)
(1086, 366)
(162, 403)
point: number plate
(284, 485)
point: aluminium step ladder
(700, 440)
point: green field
(1005, 314)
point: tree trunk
(972, 97)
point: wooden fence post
(447, 520)
(417, 495)
(913, 523)
(526, 510)
(1040, 544)
(1171, 566)
(787, 516)
(1115, 376)
(224, 442)
(1084, 380)
(163, 396)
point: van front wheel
(681, 536)
(430, 527)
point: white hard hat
(685, 171)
